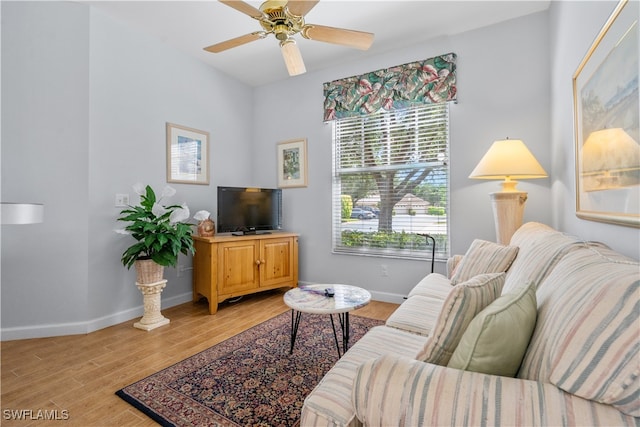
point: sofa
(543, 331)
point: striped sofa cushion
(587, 337)
(540, 249)
(483, 257)
(529, 231)
(452, 264)
(434, 285)
(418, 315)
(463, 303)
(392, 391)
(329, 403)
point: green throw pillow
(463, 303)
(497, 338)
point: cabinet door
(276, 261)
(237, 266)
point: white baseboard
(78, 328)
(387, 297)
(42, 331)
(133, 313)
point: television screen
(248, 210)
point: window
(391, 183)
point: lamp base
(508, 211)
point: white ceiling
(192, 25)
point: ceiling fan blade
(292, 57)
(351, 38)
(301, 7)
(238, 41)
(243, 7)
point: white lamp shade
(509, 158)
(21, 213)
(292, 57)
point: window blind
(393, 164)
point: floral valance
(422, 82)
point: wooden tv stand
(227, 266)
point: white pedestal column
(152, 317)
(508, 211)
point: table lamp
(508, 159)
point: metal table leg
(345, 332)
(344, 327)
(295, 322)
(335, 335)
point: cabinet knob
(257, 262)
(262, 261)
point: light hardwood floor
(78, 375)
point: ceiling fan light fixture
(292, 57)
(281, 32)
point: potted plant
(160, 233)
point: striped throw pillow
(484, 257)
(497, 338)
(462, 304)
(591, 325)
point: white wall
(503, 92)
(137, 85)
(85, 103)
(574, 26)
(85, 100)
(45, 117)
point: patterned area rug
(249, 379)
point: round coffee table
(313, 299)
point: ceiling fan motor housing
(279, 21)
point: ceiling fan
(284, 19)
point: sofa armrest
(452, 263)
(392, 390)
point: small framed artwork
(606, 110)
(187, 155)
(292, 163)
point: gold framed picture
(292, 163)
(606, 123)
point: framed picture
(187, 155)
(292, 163)
(606, 123)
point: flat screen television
(246, 210)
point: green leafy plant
(160, 231)
(435, 210)
(346, 206)
(391, 239)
